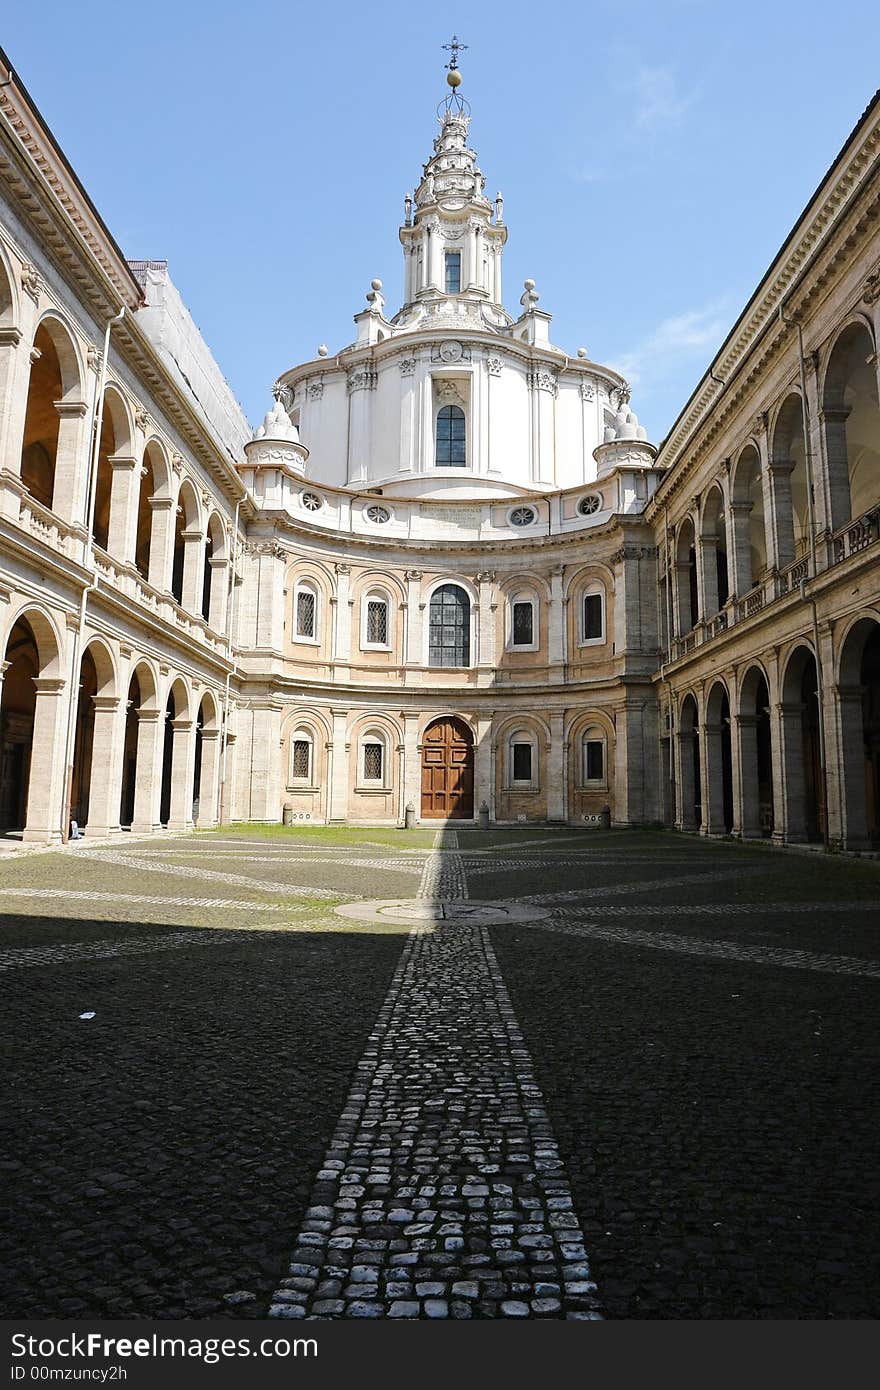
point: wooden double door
(447, 771)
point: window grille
(449, 627)
(594, 760)
(451, 437)
(592, 616)
(305, 613)
(378, 515)
(302, 758)
(523, 516)
(522, 762)
(590, 504)
(523, 625)
(377, 622)
(453, 272)
(373, 758)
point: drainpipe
(230, 610)
(73, 703)
(811, 526)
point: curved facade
(448, 574)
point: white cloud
(659, 102)
(693, 336)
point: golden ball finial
(454, 78)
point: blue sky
(652, 156)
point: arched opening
(756, 756)
(17, 711)
(691, 810)
(179, 553)
(713, 553)
(447, 771)
(803, 783)
(130, 753)
(84, 741)
(207, 573)
(215, 578)
(749, 525)
(851, 419)
(154, 512)
(719, 762)
(451, 449)
(449, 627)
(859, 695)
(197, 763)
(686, 577)
(167, 759)
(789, 469)
(104, 480)
(42, 423)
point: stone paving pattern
(695, 1025)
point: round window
(311, 501)
(523, 516)
(379, 515)
(590, 504)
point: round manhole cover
(439, 910)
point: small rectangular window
(592, 616)
(594, 760)
(373, 762)
(305, 613)
(453, 272)
(377, 622)
(522, 762)
(302, 750)
(523, 625)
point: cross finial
(454, 48)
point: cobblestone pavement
(675, 1070)
(442, 1193)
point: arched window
(594, 773)
(453, 272)
(373, 761)
(302, 763)
(523, 622)
(451, 437)
(376, 620)
(305, 612)
(593, 614)
(522, 760)
(449, 627)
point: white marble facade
(448, 574)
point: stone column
(738, 552)
(556, 653)
(266, 771)
(148, 771)
(71, 461)
(707, 575)
(124, 487)
(208, 782)
(106, 773)
(414, 634)
(851, 764)
(361, 389)
(412, 764)
(686, 814)
(793, 808)
(557, 808)
(219, 566)
(483, 769)
(749, 804)
(46, 782)
(781, 515)
(484, 613)
(682, 616)
(193, 570)
(735, 775)
(767, 494)
(635, 762)
(342, 604)
(836, 471)
(162, 511)
(183, 750)
(338, 807)
(13, 397)
(712, 776)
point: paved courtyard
(520, 1074)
